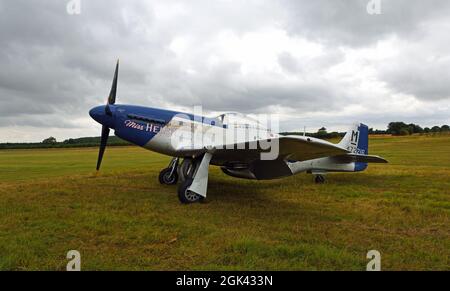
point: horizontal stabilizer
(350, 158)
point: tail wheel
(319, 179)
(168, 177)
(186, 196)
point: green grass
(51, 201)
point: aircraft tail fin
(356, 140)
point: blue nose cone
(99, 114)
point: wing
(296, 148)
(301, 148)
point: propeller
(105, 129)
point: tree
(400, 128)
(435, 129)
(426, 130)
(396, 128)
(404, 131)
(414, 128)
(445, 128)
(50, 140)
(322, 132)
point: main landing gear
(193, 174)
(187, 172)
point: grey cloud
(55, 67)
(52, 61)
(346, 22)
(293, 65)
(422, 69)
(41, 121)
(225, 88)
(289, 63)
(424, 80)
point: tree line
(397, 128)
(401, 128)
(51, 142)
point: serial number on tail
(355, 150)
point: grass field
(51, 201)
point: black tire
(319, 179)
(186, 168)
(185, 196)
(166, 179)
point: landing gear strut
(319, 179)
(169, 175)
(194, 174)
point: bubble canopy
(236, 118)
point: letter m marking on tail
(354, 139)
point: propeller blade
(103, 142)
(105, 129)
(112, 94)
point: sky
(313, 63)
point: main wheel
(187, 168)
(166, 178)
(319, 179)
(186, 196)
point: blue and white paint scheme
(196, 142)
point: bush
(50, 140)
(403, 132)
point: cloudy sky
(315, 63)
